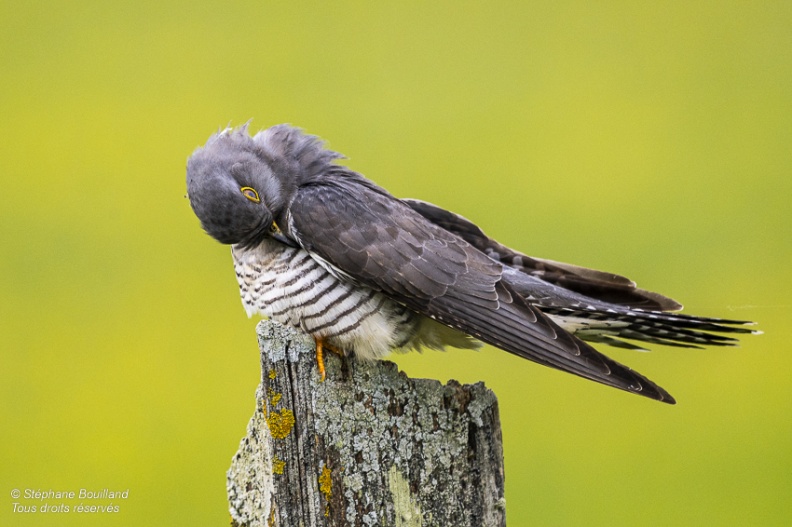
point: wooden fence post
(368, 446)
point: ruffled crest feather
(302, 153)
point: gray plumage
(321, 248)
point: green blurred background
(644, 139)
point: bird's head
(239, 186)
(233, 189)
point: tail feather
(654, 327)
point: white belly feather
(290, 287)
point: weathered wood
(368, 446)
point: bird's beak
(277, 234)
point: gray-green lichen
(384, 422)
(250, 492)
(278, 342)
(369, 445)
(406, 510)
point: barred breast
(289, 286)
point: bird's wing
(382, 243)
(599, 285)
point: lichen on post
(368, 446)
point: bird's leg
(321, 345)
(320, 358)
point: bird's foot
(321, 345)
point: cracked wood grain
(368, 446)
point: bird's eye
(251, 194)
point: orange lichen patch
(278, 465)
(280, 423)
(272, 375)
(274, 397)
(326, 482)
(326, 487)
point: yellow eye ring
(251, 194)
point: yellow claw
(320, 358)
(320, 347)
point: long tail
(654, 327)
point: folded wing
(383, 243)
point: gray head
(239, 185)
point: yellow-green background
(648, 139)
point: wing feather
(384, 244)
(607, 287)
